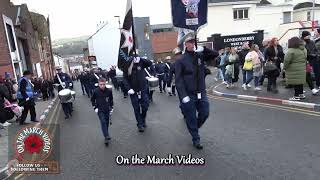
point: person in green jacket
(295, 67)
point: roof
(228, 1)
(161, 26)
(305, 5)
(264, 2)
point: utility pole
(313, 15)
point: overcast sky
(73, 18)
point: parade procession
(172, 89)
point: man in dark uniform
(86, 82)
(160, 69)
(135, 80)
(25, 96)
(167, 72)
(190, 82)
(102, 102)
(81, 77)
(64, 81)
(93, 79)
(152, 71)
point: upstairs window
(240, 14)
(309, 16)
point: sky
(74, 18)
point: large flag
(189, 14)
(127, 46)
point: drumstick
(147, 72)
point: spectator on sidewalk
(219, 75)
(312, 58)
(295, 67)
(4, 93)
(316, 64)
(222, 65)
(275, 53)
(26, 98)
(44, 89)
(230, 67)
(252, 67)
(15, 90)
(242, 56)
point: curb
(309, 106)
(4, 173)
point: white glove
(96, 84)
(136, 59)
(131, 91)
(186, 99)
(169, 89)
(199, 49)
(147, 77)
(27, 99)
(70, 84)
(96, 110)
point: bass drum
(153, 83)
(65, 95)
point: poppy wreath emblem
(33, 144)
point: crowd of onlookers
(298, 66)
(43, 89)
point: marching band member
(152, 71)
(190, 82)
(135, 80)
(102, 102)
(160, 69)
(64, 81)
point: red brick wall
(164, 42)
(5, 59)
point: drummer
(64, 81)
(152, 72)
(135, 80)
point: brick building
(9, 56)
(24, 41)
(164, 40)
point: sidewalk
(283, 95)
(41, 106)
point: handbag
(248, 65)
(269, 67)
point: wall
(105, 45)
(220, 20)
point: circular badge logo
(33, 144)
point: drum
(109, 87)
(73, 94)
(65, 95)
(153, 83)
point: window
(147, 32)
(309, 16)
(286, 17)
(239, 14)
(11, 38)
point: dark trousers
(87, 89)
(28, 106)
(104, 121)
(3, 116)
(67, 109)
(272, 83)
(310, 81)
(51, 93)
(298, 89)
(45, 95)
(244, 76)
(162, 83)
(123, 89)
(140, 107)
(173, 87)
(196, 113)
(316, 69)
(151, 95)
(83, 88)
(115, 83)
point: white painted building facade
(245, 16)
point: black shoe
(108, 138)
(125, 97)
(174, 94)
(35, 121)
(198, 146)
(275, 91)
(160, 91)
(106, 142)
(24, 123)
(141, 129)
